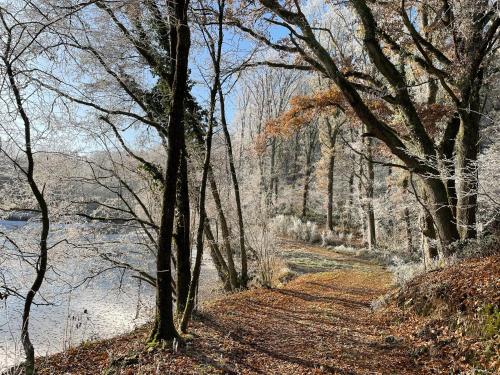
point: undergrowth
(452, 313)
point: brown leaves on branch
(306, 108)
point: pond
(106, 305)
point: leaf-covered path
(318, 323)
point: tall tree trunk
(242, 139)
(372, 240)
(470, 112)
(446, 151)
(332, 131)
(202, 218)
(350, 203)
(182, 233)
(437, 226)
(442, 214)
(164, 327)
(307, 180)
(295, 165)
(409, 238)
(226, 234)
(312, 137)
(234, 178)
(276, 188)
(329, 212)
(361, 187)
(262, 181)
(215, 53)
(407, 219)
(272, 173)
(41, 265)
(467, 149)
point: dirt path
(304, 258)
(318, 323)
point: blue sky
(236, 48)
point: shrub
(475, 248)
(405, 268)
(281, 224)
(270, 268)
(328, 238)
(295, 228)
(404, 271)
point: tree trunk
(332, 139)
(40, 276)
(307, 179)
(226, 235)
(216, 58)
(361, 187)
(406, 218)
(202, 220)
(234, 178)
(329, 212)
(372, 240)
(183, 245)
(164, 327)
(272, 174)
(217, 258)
(429, 246)
(295, 165)
(446, 150)
(312, 135)
(442, 214)
(409, 238)
(467, 149)
(262, 181)
(350, 203)
(41, 265)
(470, 112)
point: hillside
(452, 316)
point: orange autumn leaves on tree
(303, 110)
(306, 108)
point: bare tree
(20, 44)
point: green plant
(491, 320)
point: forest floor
(320, 322)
